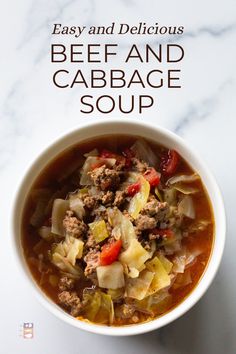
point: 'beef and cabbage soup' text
(117, 230)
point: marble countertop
(34, 113)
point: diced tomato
(163, 232)
(152, 176)
(110, 252)
(169, 162)
(134, 188)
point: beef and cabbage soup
(117, 230)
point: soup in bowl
(119, 233)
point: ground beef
(92, 259)
(125, 311)
(175, 218)
(138, 165)
(89, 201)
(135, 318)
(144, 222)
(153, 236)
(127, 214)
(120, 164)
(107, 198)
(146, 244)
(105, 178)
(119, 198)
(66, 283)
(73, 226)
(70, 301)
(156, 209)
(90, 240)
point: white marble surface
(34, 113)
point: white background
(34, 113)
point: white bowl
(164, 137)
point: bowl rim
(209, 272)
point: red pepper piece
(152, 176)
(134, 188)
(110, 252)
(169, 162)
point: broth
(59, 178)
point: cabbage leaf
(76, 204)
(161, 278)
(186, 207)
(65, 254)
(137, 288)
(122, 226)
(134, 256)
(144, 152)
(111, 276)
(99, 307)
(60, 206)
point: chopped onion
(186, 207)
